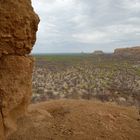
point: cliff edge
(133, 51)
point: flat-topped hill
(128, 51)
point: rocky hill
(98, 52)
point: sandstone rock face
(18, 26)
(15, 87)
(135, 51)
(1, 128)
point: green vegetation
(60, 57)
(86, 76)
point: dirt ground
(78, 120)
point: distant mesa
(133, 51)
(98, 52)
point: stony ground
(78, 120)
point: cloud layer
(86, 25)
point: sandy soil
(78, 120)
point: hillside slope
(78, 120)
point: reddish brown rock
(1, 128)
(133, 51)
(15, 86)
(78, 120)
(18, 26)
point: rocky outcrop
(15, 88)
(133, 51)
(18, 26)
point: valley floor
(78, 120)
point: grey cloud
(86, 25)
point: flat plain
(105, 77)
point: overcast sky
(86, 25)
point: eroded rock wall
(18, 26)
(133, 51)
